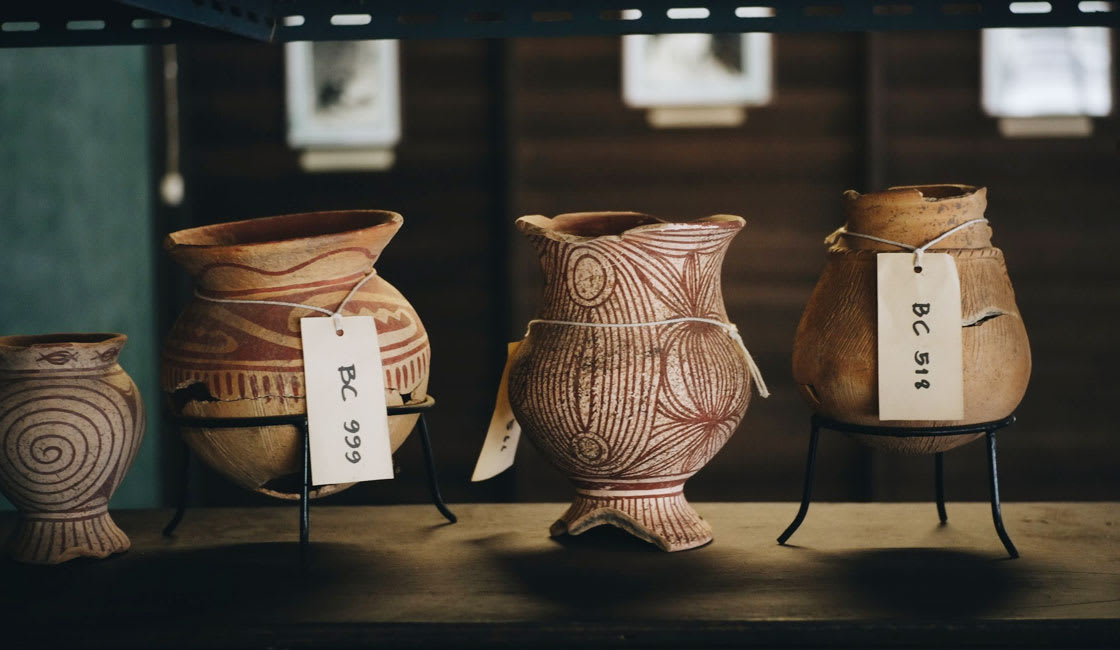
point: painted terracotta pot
(71, 421)
(834, 352)
(246, 360)
(629, 413)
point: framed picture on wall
(343, 94)
(670, 70)
(1047, 72)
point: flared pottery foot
(666, 521)
(56, 538)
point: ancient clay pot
(834, 352)
(71, 421)
(628, 414)
(246, 360)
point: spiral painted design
(64, 442)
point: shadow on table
(607, 572)
(241, 582)
(925, 583)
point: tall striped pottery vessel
(225, 360)
(71, 421)
(626, 405)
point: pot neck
(651, 272)
(283, 254)
(916, 215)
(70, 352)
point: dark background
(497, 129)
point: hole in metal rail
(820, 11)
(20, 26)
(755, 12)
(1030, 7)
(252, 15)
(293, 21)
(1094, 7)
(485, 17)
(151, 23)
(688, 13)
(235, 11)
(85, 25)
(621, 14)
(350, 20)
(961, 9)
(417, 19)
(217, 6)
(551, 16)
(898, 9)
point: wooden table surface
(855, 575)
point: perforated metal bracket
(92, 22)
(100, 22)
(251, 18)
(342, 19)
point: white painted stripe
(631, 493)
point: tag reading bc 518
(346, 415)
(921, 374)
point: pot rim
(931, 192)
(553, 227)
(55, 339)
(384, 219)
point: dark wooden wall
(494, 130)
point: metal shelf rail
(102, 22)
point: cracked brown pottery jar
(626, 405)
(228, 359)
(834, 352)
(71, 421)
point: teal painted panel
(76, 242)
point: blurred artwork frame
(343, 94)
(1047, 72)
(697, 70)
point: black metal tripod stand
(819, 422)
(300, 422)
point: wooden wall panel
(496, 130)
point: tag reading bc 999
(345, 383)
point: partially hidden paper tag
(921, 366)
(500, 447)
(346, 415)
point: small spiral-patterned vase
(71, 421)
(626, 392)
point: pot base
(666, 520)
(57, 538)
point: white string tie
(730, 328)
(842, 231)
(336, 315)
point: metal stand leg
(807, 493)
(939, 465)
(184, 484)
(305, 495)
(993, 484)
(433, 481)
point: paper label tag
(346, 415)
(921, 366)
(500, 447)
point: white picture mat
(1047, 72)
(679, 70)
(373, 120)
